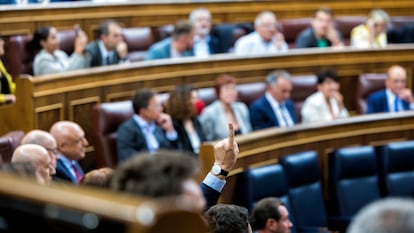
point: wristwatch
(216, 170)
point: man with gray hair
(389, 215)
(274, 108)
(47, 141)
(205, 44)
(266, 39)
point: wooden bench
(43, 100)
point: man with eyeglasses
(396, 97)
(47, 141)
(149, 129)
(71, 145)
(266, 39)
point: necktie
(396, 104)
(108, 60)
(283, 112)
(152, 142)
(78, 174)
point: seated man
(396, 96)
(149, 129)
(71, 144)
(171, 174)
(110, 48)
(322, 33)
(204, 43)
(228, 218)
(270, 215)
(265, 39)
(274, 108)
(46, 140)
(180, 44)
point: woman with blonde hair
(372, 34)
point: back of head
(179, 104)
(38, 137)
(37, 156)
(182, 27)
(226, 218)
(154, 175)
(98, 177)
(390, 215)
(263, 210)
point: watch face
(216, 170)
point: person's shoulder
(127, 125)
(92, 46)
(306, 32)
(377, 95)
(161, 44)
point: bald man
(38, 157)
(71, 145)
(47, 141)
(396, 97)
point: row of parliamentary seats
(357, 176)
(19, 53)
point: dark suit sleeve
(127, 142)
(210, 195)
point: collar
(197, 39)
(143, 124)
(103, 50)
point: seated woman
(372, 34)
(217, 115)
(181, 107)
(7, 86)
(327, 103)
(52, 60)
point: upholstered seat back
(106, 118)
(302, 87)
(368, 84)
(353, 179)
(8, 143)
(305, 192)
(138, 40)
(396, 162)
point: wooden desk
(43, 100)
(267, 146)
(85, 209)
(15, 19)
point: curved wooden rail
(267, 146)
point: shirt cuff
(172, 136)
(214, 182)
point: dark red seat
(138, 40)
(8, 143)
(368, 84)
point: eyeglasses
(52, 150)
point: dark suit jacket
(184, 142)
(130, 140)
(96, 57)
(377, 102)
(307, 39)
(210, 195)
(262, 115)
(162, 49)
(62, 172)
(215, 45)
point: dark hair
(264, 209)
(154, 175)
(104, 26)
(325, 10)
(222, 80)
(227, 218)
(182, 27)
(326, 74)
(141, 99)
(179, 104)
(40, 34)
